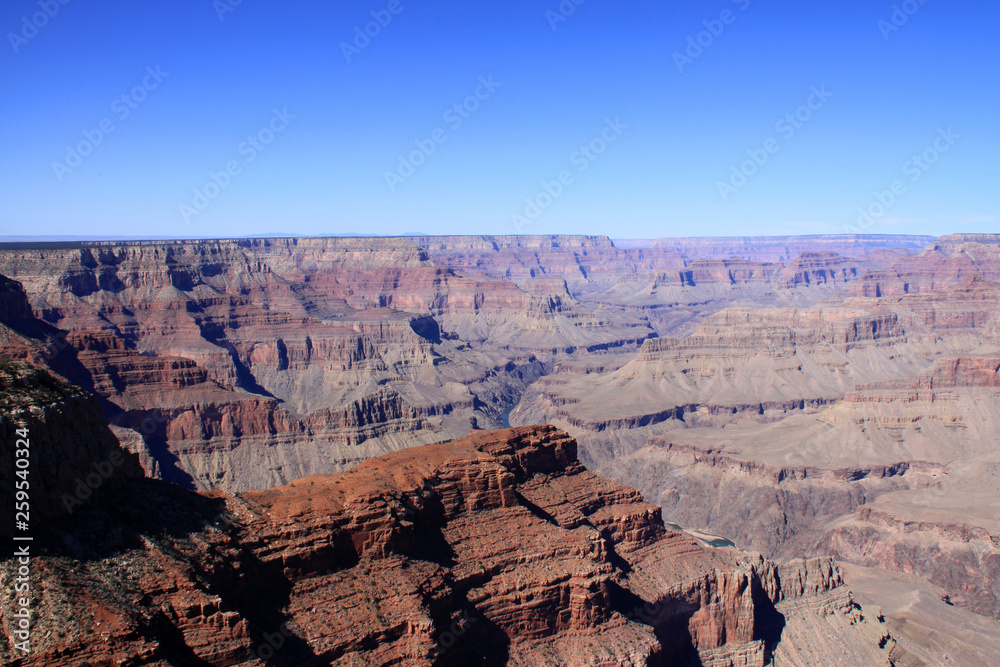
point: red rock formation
(791, 430)
(741, 363)
(499, 548)
(951, 260)
(961, 558)
(440, 334)
(802, 429)
(820, 268)
(585, 263)
(955, 373)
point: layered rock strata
(318, 353)
(864, 428)
(497, 549)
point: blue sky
(612, 118)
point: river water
(709, 539)
(505, 417)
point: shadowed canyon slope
(496, 549)
(802, 397)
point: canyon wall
(496, 549)
(863, 427)
(248, 363)
(801, 397)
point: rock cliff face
(496, 549)
(208, 354)
(251, 362)
(70, 452)
(899, 475)
(816, 397)
(191, 429)
(738, 364)
(863, 428)
(13, 302)
(952, 259)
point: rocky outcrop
(496, 549)
(899, 475)
(946, 531)
(60, 434)
(536, 546)
(950, 261)
(249, 363)
(582, 263)
(778, 509)
(812, 268)
(13, 301)
(188, 428)
(953, 373)
(812, 598)
(22, 336)
(962, 559)
(789, 430)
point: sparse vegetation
(23, 385)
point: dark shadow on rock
(260, 592)
(215, 333)
(535, 509)
(423, 539)
(139, 512)
(668, 618)
(476, 641)
(671, 624)
(131, 510)
(769, 623)
(614, 557)
(427, 328)
(245, 379)
(175, 650)
(153, 426)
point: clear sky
(632, 119)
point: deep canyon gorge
(308, 443)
